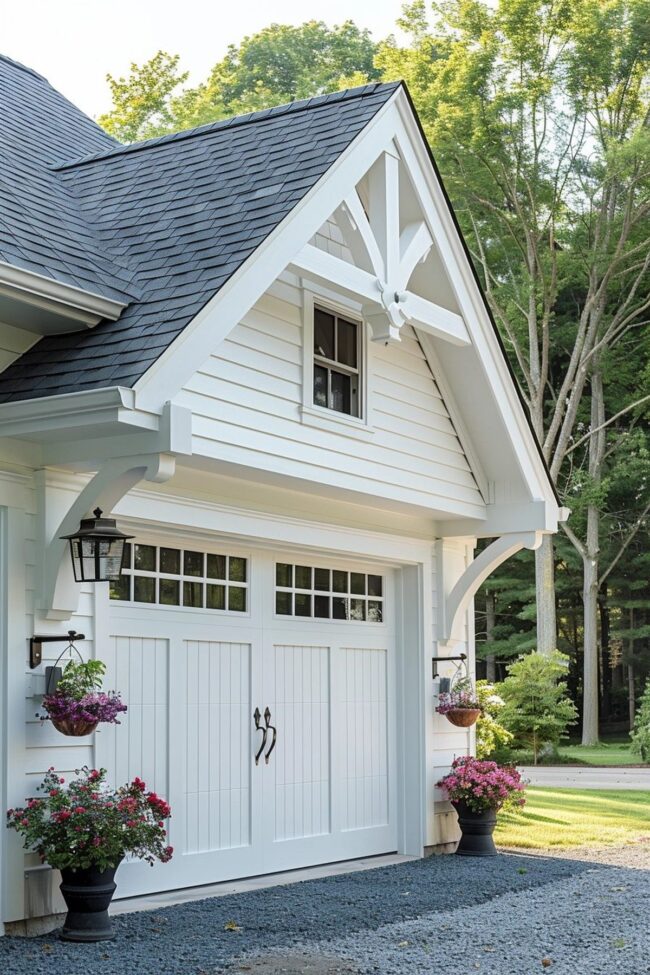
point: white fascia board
(83, 308)
(485, 343)
(38, 418)
(223, 312)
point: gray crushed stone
(498, 916)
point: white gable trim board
(334, 551)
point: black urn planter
(87, 893)
(476, 828)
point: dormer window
(337, 357)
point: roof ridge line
(301, 105)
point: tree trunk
(490, 660)
(545, 591)
(590, 568)
(631, 689)
(605, 663)
(590, 632)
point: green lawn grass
(607, 753)
(563, 818)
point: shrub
(491, 736)
(482, 785)
(537, 709)
(640, 734)
(86, 825)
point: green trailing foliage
(640, 734)
(537, 709)
(81, 678)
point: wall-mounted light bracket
(36, 645)
(462, 657)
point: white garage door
(200, 640)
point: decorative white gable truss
(407, 264)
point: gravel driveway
(511, 915)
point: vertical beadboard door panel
(363, 715)
(297, 787)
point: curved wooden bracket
(59, 594)
(454, 606)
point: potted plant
(77, 704)
(85, 830)
(478, 789)
(460, 705)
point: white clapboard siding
(247, 404)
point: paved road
(583, 777)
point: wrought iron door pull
(269, 727)
(257, 715)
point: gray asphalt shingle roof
(166, 221)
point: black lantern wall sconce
(97, 549)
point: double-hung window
(337, 361)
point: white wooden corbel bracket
(59, 593)
(455, 604)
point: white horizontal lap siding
(247, 405)
(34, 745)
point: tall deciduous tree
(538, 113)
(279, 64)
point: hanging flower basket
(460, 704)
(463, 717)
(77, 705)
(72, 728)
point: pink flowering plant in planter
(482, 785)
(87, 825)
(77, 704)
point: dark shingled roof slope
(179, 215)
(42, 227)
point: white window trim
(320, 416)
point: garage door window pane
(322, 607)
(375, 586)
(358, 583)
(144, 589)
(284, 575)
(170, 594)
(303, 577)
(322, 579)
(193, 564)
(121, 588)
(339, 581)
(193, 594)
(339, 608)
(145, 557)
(236, 599)
(303, 604)
(283, 603)
(170, 561)
(216, 566)
(216, 597)
(237, 569)
(374, 612)
(357, 609)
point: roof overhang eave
(75, 307)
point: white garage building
(261, 346)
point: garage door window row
(334, 594)
(182, 577)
